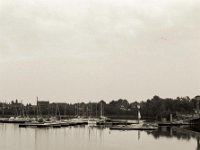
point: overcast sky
(88, 50)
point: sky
(89, 50)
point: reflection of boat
(135, 127)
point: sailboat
(101, 120)
(92, 120)
(19, 116)
(38, 122)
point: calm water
(89, 138)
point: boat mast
(139, 116)
(96, 109)
(22, 109)
(3, 109)
(101, 111)
(57, 108)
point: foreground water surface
(89, 138)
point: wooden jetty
(172, 124)
(135, 127)
(114, 123)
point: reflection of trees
(179, 133)
(198, 143)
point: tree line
(154, 108)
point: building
(42, 107)
(197, 98)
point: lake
(92, 138)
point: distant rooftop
(197, 97)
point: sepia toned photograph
(99, 75)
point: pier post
(171, 118)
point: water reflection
(181, 133)
(96, 132)
(138, 135)
(95, 137)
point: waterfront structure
(197, 98)
(42, 107)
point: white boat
(93, 121)
(17, 120)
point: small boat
(93, 121)
(77, 121)
(55, 124)
(14, 120)
(64, 124)
(39, 123)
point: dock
(135, 127)
(172, 124)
